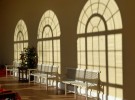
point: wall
(127, 10)
(67, 11)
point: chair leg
(46, 84)
(29, 79)
(10, 73)
(75, 89)
(56, 86)
(34, 79)
(98, 93)
(103, 95)
(86, 91)
(6, 73)
(40, 80)
(65, 89)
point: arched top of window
(99, 15)
(21, 32)
(48, 25)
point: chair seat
(68, 81)
(36, 74)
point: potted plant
(29, 57)
(22, 58)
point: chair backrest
(92, 76)
(77, 73)
(49, 69)
(39, 67)
(71, 73)
(55, 69)
(16, 64)
(80, 74)
(44, 68)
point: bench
(9, 68)
(44, 73)
(88, 79)
(49, 73)
(13, 69)
(35, 73)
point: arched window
(49, 39)
(20, 39)
(99, 44)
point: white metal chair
(50, 75)
(9, 69)
(15, 68)
(36, 74)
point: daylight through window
(99, 44)
(49, 39)
(20, 39)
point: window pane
(119, 59)
(111, 59)
(102, 42)
(118, 20)
(96, 58)
(83, 58)
(84, 19)
(118, 41)
(90, 58)
(88, 10)
(89, 28)
(119, 78)
(112, 75)
(119, 93)
(94, 7)
(112, 92)
(95, 43)
(107, 14)
(101, 26)
(101, 9)
(89, 43)
(103, 74)
(112, 6)
(111, 45)
(81, 44)
(102, 59)
(110, 24)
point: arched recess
(99, 44)
(49, 40)
(20, 39)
